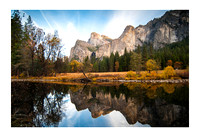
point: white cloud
(69, 35)
(116, 119)
(118, 22)
(112, 29)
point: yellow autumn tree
(168, 72)
(151, 65)
(76, 66)
(116, 66)
(169, 63)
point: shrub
(14, 77)
(22, 75)
(143, 76)
(168, 72)
(153, 75)
(131, 75)
(94, 79)
(127, 78)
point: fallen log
(86, 79)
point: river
(35, 104)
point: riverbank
(181, 76)
(107, 80)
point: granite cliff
(173, 26)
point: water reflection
(128, 104)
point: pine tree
(16, 42)
(136, 62)
(96, 66)
(116, 56)
(87, 66)
(144, 55)
(30, 46)
(138, 49)
(104, 64)
(111, 62)
(151, 51)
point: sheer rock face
(97, 39)
(80, 50)
(173, 26)
(126, 40)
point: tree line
(34, 53)
(142, 58)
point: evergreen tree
(16, 42)
(151, 51)
(125, 60)
(104, 64)
(116, 56)
(111, 62)
(86, 65)
(30, 45)
(96, 66)
(144, 55)
(138, 49)
(136, 62)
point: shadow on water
(158, 105)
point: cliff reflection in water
(40, 104)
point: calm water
(121, 105)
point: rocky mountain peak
(80, 50)
(128, 33)
(95, 35)
(126, 40)
(97, 39)
(173, 26)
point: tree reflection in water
(40, 104)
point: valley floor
(145, 76)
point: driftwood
(86, 79)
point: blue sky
(78, 24)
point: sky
(79, 24)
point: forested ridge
(35, 53)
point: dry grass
(182, 73)
(63, 77)
(99, 75)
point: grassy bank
(130, 75)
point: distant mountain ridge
(173, 26)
